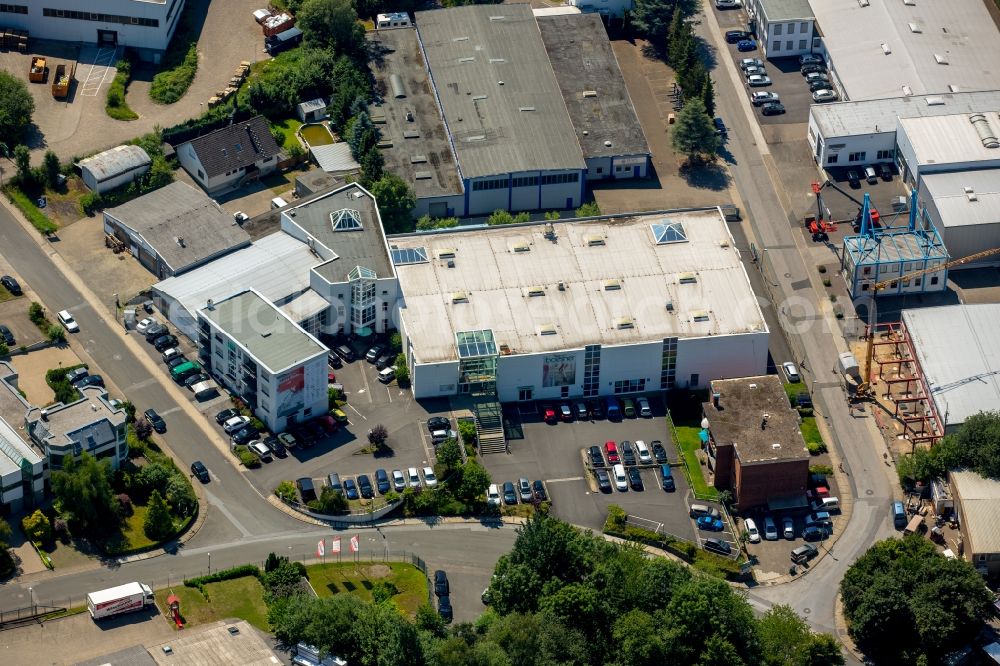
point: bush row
(199, 582)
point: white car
(727, 4)
(770, 529)
(643, 405)
(791, 372)
(645, 457)
(757, 80)
(261, 450)
(429, 477)
(66, 319)
(398, 480)
(235, 423)
(145, 324)
(621, 483)
(824, 96)
(763, 96)
(751, 62)
(751, 528)
(412, 477)
(493, 495)
(754, 69)
(817, 76)
(788, 529)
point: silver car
(524, 489)
(757, 80)
(824, 96)
(763, 97)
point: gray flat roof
(364, 246)
(519, 125)
(91, 416)
(419, 145)
(955, 207)
(617, 281)
(214, 645)
(980, 498)
(951, 139)
(263, 330)
(961, 32)
(584, 63)
(958, 347)
(737, 420)
(182, 223)
(882, 115)
(786, 10)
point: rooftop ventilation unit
(953, 88)
(459, 39)
(688, 278)
(526, 108)
(910, 3)
(520, 246)
(907, 91)
(594, 240)
(941, 59)
(699, 315)
(497, 61)
(497, 18)
(446, 253)
(547, 329)
(459, 297)
(670, 306)
(863, 3)
(622, 323)
(422, 175)
(467, 59)
(915, 28)
(612, 285)
(986, 133)
(535, 291)
(418, 159)
(971, 193)
(885, 48)
(935, 101)
(396, 83)
(590, 93)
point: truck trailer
(117, 600)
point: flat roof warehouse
(611, 281)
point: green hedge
(241, 571)
(171, 84)
(117, 106)
(27, 207)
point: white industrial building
(144, 25)
(261, 355)
(113, 168)
(957, 349)
(784, 27)
(23, 472)
(554, 310)
(939, 144)
(964, 206)
(606, 8)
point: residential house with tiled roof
(229, 156)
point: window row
(13, 9)
(558, 178)
(102, 18)
(495, 184)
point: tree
(395, 201)
(22, 162)
(378, 435)
(693, 134)
(284, 580)
(372, 166)
(652, 18)
(37, 527)
(16, 107)
(361, 134)
(331, 502)
(180, 495)
(331, 24)
(158, 525)
(83, 490)
(475, 481)
(787, 641)
(143, 429)
(905, 589)
(677, 44)
(51, 166)
(589, 209)
(708, 96)
(449, 453)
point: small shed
(312, 111)
(113, 168)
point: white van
(621, 483)
(393, 20)
(826, 504)
(278, 202)
(387, 375)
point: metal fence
(15, 616)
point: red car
(549, 414)
(330, 377)
(818, 493)
(611, 449)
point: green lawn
(5, 295)
(810, 432)
(689, 444)
(357, 579)
(133, 537)
(240, 597)
(288, 128)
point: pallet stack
(12, 39)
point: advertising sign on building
(559, 370)
(290, 397)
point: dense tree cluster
(16, 107)
(976, 446)
(907, 604)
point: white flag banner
(355, 544)
(335, 545)
(321, 548)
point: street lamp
(31, 596)
(210, 564)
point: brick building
(754, 444)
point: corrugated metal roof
(951, 139)
(487, 62)
(980, 503)
(335, 157)
(118, 160)
(958, 347)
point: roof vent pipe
(986, 133)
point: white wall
(624, 166)
(434, 379)
(111, 183)
(555, 196)
(781, 39)
(484, 202)
(15, 496)
(720, 357)
(314, 394)
(844, 147)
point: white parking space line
(104, 58)
(564, 480)
(389, 393)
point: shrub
(241, 571)
(37, 527)
(90, 203)
(467, 430)
(258, 424)
(56, 333)
(36, 313)
(4, 350)
(616, 517)
(61, 529)
(816, 448)
(171, 84)
(826, 282)
(383, 590)
(116, 106)
(38, 219)
(589, 209)
(821, 269)
(820, 469)
(125, 508)
(247, 459)
(285, 491)
(159, 524)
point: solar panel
(668, 231)
(409, 255)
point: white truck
(117, 600)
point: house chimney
(715, 399)
(763, 421)
(45, 414)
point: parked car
(699, 510)
(76, 374)
(720, 127)
(549, 414)
(812, 68)
(155, 420)
(398, 481)
(277, 448)
(603, 480)
(89, 380)
(7, 336)
(524, 490)
(667, 478)
(751, 527)
(66, 319)
(509, 494)
(596, 458)
(175, 361)
(200, 471)
(816, 86)
(820, 519)
(338, 415)
(595, 408)
(493, 495)
(235, 423)
(885, 171)
(758, 80)
(169, 353)
(717, 546)
(288, 440)
(144, 324)
(412, 478)
(746, 45)
(245, 435)
(382, 481)
(334, 361)
(710, 524)
(344, 352)
(750, 62)
(770, 529)
(611, 449)
(438, 423)
(791, 372)
(259, 449)
(810, 59)
(821, 96)
(642, 451)
(565, 413)
(635, 479)
(628, 454)
(899, 518)
(736, 36)
(365, 486)
(538, 489)
(788, 528)
(307, 491)
(444, 609)
(11, 285)
(384, 361)
(870, 175)
(155, 331)
(612, 408)
(659, 453)
(754, 69)
(727, 4)
(628, 408)
(818, 76)
(581, 411)
(759, 97)
(351, 489)
(192, 380)
(165, 342)
(813, 533)
(804, 553)
(429, 479)
(852, 178)
(772, 109)
(374, 353)
(441, 586)
(621, 483)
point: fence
(15, 616)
